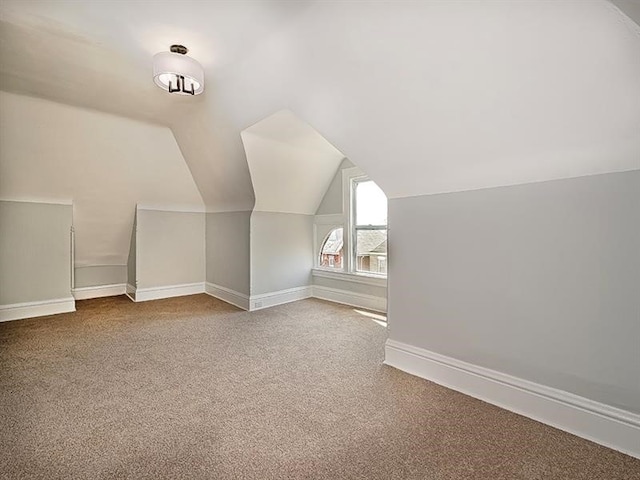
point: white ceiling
(291, 164)
(426, 97)
(98, 55)
(104, 164)
(217, 32)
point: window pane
(371, 204)
(331, 251)
(371, 251)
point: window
(331, 253)
(368, 227)
(352, 245)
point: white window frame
(353, 228)
(323, 225)
(326, 223)
(350, 176)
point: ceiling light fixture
(174, 72)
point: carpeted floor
(191, 388)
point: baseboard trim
(361, 300)
(99, 291)
(271, 299)
(609, 426)
(225, 294)
(168, 291)
(18, 311)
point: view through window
(369, 227)
(331, 255)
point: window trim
(351, 176)
(336, 220)
(354, 228)
(362, 278)
(317, 264)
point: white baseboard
(609, 426)
(168, 291)
(18, 311)
(361, 300)
(99, 291)
(225, 294)
(271, 299)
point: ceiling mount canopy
(175, 72)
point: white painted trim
(375, 281)
(600, 423)
(329, 219)
(225, 294)
(16, 311)
(361, 300)
(318, 239)
(348, 175)
(100, 265)
(130, 291)
(271, 299)
(167, 207)
(99, 291)
(208, 210)
(168, 291)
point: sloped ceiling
(433, 97)
(426, 97)
(286, 153)
(98, 55)
(104, 164)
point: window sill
(363, 278)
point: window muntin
(369, 227)
(332, 251)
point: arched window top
(332, 250)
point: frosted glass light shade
(168, 65)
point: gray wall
(132, 258)
(35, 252)
(332, 201)
(351, 286)
(171, 248)
(281, 251)
(541, 281)
(227, 244)
(95, 275)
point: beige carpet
(194, 388)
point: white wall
(538, 281)
(291, 167)
(281, 251)
(93, 275)
(35, 252)
(170, 248)
(227, 238)
(332, 202)
(105, 164)
(291, 164)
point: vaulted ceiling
(291, 164)
(426, 97)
